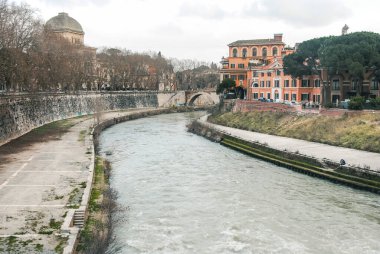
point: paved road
(317, 150)
(38, 183)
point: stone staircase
(78, 220)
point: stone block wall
(248, 106)
(20, 114)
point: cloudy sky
(200, 29)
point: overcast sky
(200, 29)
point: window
(262, 74)
(244, 53)
(304, 97)
(255, 96)
(294, 83)
(232, 66)
(294, 97)
(261, 95)
(286, 83)
(269, 74)
(255, 74)
(278, 73)
(277, 83)
(265, 52)
(276, 95)
(335, 98)
(241, 66)
(355, 84)
(268, 83)
(268, 96)
(226, 76)
(233, 77)
(374, 84)
(317, 98)
(241, 77)
(335, 84)
(262, 83)
(255, 84)
(305, 83)
(234, 53)
(317, 83)
(275, 51)
(286, 96)
(254, 52)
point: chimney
(278, 37)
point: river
(186, 194)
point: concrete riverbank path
(312, 149)
(40, 182)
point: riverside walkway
(320, 151)
(41, 181)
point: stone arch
(197, 95)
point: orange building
(257, 68)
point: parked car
(344, 104)
(229, 96)
(262, 99)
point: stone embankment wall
(21, 114)
(354, 177)
(248, 106)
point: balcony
(257, 62)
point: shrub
(373, 102)
(377, 101)
(356, 103)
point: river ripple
(188, 195)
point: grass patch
(14, 244)
(58, 197)
(45, 230)
(39, 247)
(61, 245)
(55, 224)
(96, 234)
(82, 135)
(83, 185)
(12, 240)
(73, 196)
(359, 131)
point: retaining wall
(21, 114)
(360, 179)
(248, 106)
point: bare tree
(20, 30)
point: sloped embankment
(357, 131)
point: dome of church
(64, 23)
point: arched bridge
(208, 96)
(189, 98)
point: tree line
(34, 58)
(353, 57)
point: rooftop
(276, 40)
(64, 23)
(255, 42)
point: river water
(186, 194)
